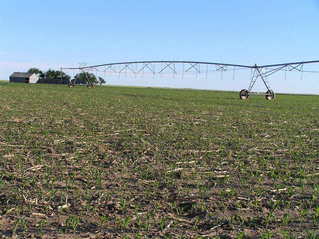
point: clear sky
(54, 33)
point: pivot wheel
(244, 94)
(270, 95)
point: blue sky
(48, 34)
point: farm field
(125, 162)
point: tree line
(60, 77)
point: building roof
(21, 74)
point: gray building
(23, 77)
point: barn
(24, 77)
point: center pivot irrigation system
(258, 72)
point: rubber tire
(270, 95)
(244, 94)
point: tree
(56, 77)
(35, 71)
(85, 78)
(101, 81)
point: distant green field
(120, 162)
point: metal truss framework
(259, 72)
